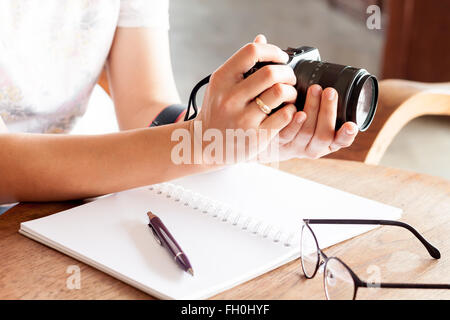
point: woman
(51, 54)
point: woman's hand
(229, 104)
(311, 133)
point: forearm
(38, 167)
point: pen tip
(191, 271)
(150, 215)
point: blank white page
(283, 199)
(112, 234)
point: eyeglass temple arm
(433, 251)
(405, 285)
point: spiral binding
(222, 212)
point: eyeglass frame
(358, 283)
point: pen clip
(155, 235)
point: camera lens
(365, 101)
(357, 89)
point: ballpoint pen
(164, 238)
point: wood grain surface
(29, 270)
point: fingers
(312, 106)
(288, 134)
(260, 38)
(244, 59)
(344, 137)
(326, 120)
(263, 79)
(273, 98)
(280, 119)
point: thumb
(260, 38)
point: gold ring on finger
(264, 107)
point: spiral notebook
(234, 225)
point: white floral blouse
(53, 51)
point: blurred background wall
(204, 33)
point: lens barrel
(357, 90)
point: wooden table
(29, 270)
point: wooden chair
(400, 101)
(413, 44)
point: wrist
(205, 152)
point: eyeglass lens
(309, 252)
(338, 282)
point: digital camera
(357, 89)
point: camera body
(357, 89)
(302, 53)
(295, 56)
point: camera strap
(192, 99)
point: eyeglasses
(340, 282)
